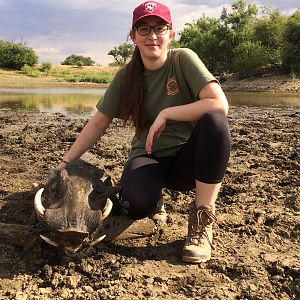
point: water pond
(83, 101)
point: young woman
(182, 139)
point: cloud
(58, 28)
(81, 27)
(46, 50)
(63, 47)
(283, 5)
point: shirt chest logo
(172, 86)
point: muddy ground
(257, 239)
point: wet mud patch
(257, 244)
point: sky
(56, 29)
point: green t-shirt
(177, 82)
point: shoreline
(271, 84)
(283, 84)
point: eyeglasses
(159, 29)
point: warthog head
(73, 205)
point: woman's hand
(61, 165)
(210, 98)
(155, 131)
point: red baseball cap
(151, 8)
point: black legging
(204, 157)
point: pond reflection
(263, 99)
(83, 101)
(65, 101)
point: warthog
(76, 210)
(73, 205)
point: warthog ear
(53, 173)
(63, 174)
(107, 181)
(53, 179)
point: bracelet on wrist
(64, 161)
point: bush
(31, 71)
(269, 32)
(15, 56)
(250, 58)
(46, 67)
(96, 78)
(78, 60)
(90, 77)
(291, 49)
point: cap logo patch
(150, 7)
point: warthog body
(73, 205)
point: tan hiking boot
(198, 243)
(160, 216)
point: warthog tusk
(107, 209)
(96, 241)
(47, 240)
(39, 208)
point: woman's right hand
(157, 127)
(61, 165)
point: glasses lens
(143, 29)
(161, 29)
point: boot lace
(200, 219)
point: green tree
(78, 60)
(200, 36)
(16, 55)
(291, 49)
(46, 67)
(215, 40)
(240, 17)
(246, 38)
(235, 28)
(268, 31)
(174, 44)
(250, 58)
(121, 53)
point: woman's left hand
(155, 131)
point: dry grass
(98, 69)
(58, 77)
(60, 73)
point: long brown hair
(132, 101)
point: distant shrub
(15, 56)
(96, 78)
(46, 67)
(31, 71)
(78, 60)
(88, 77)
